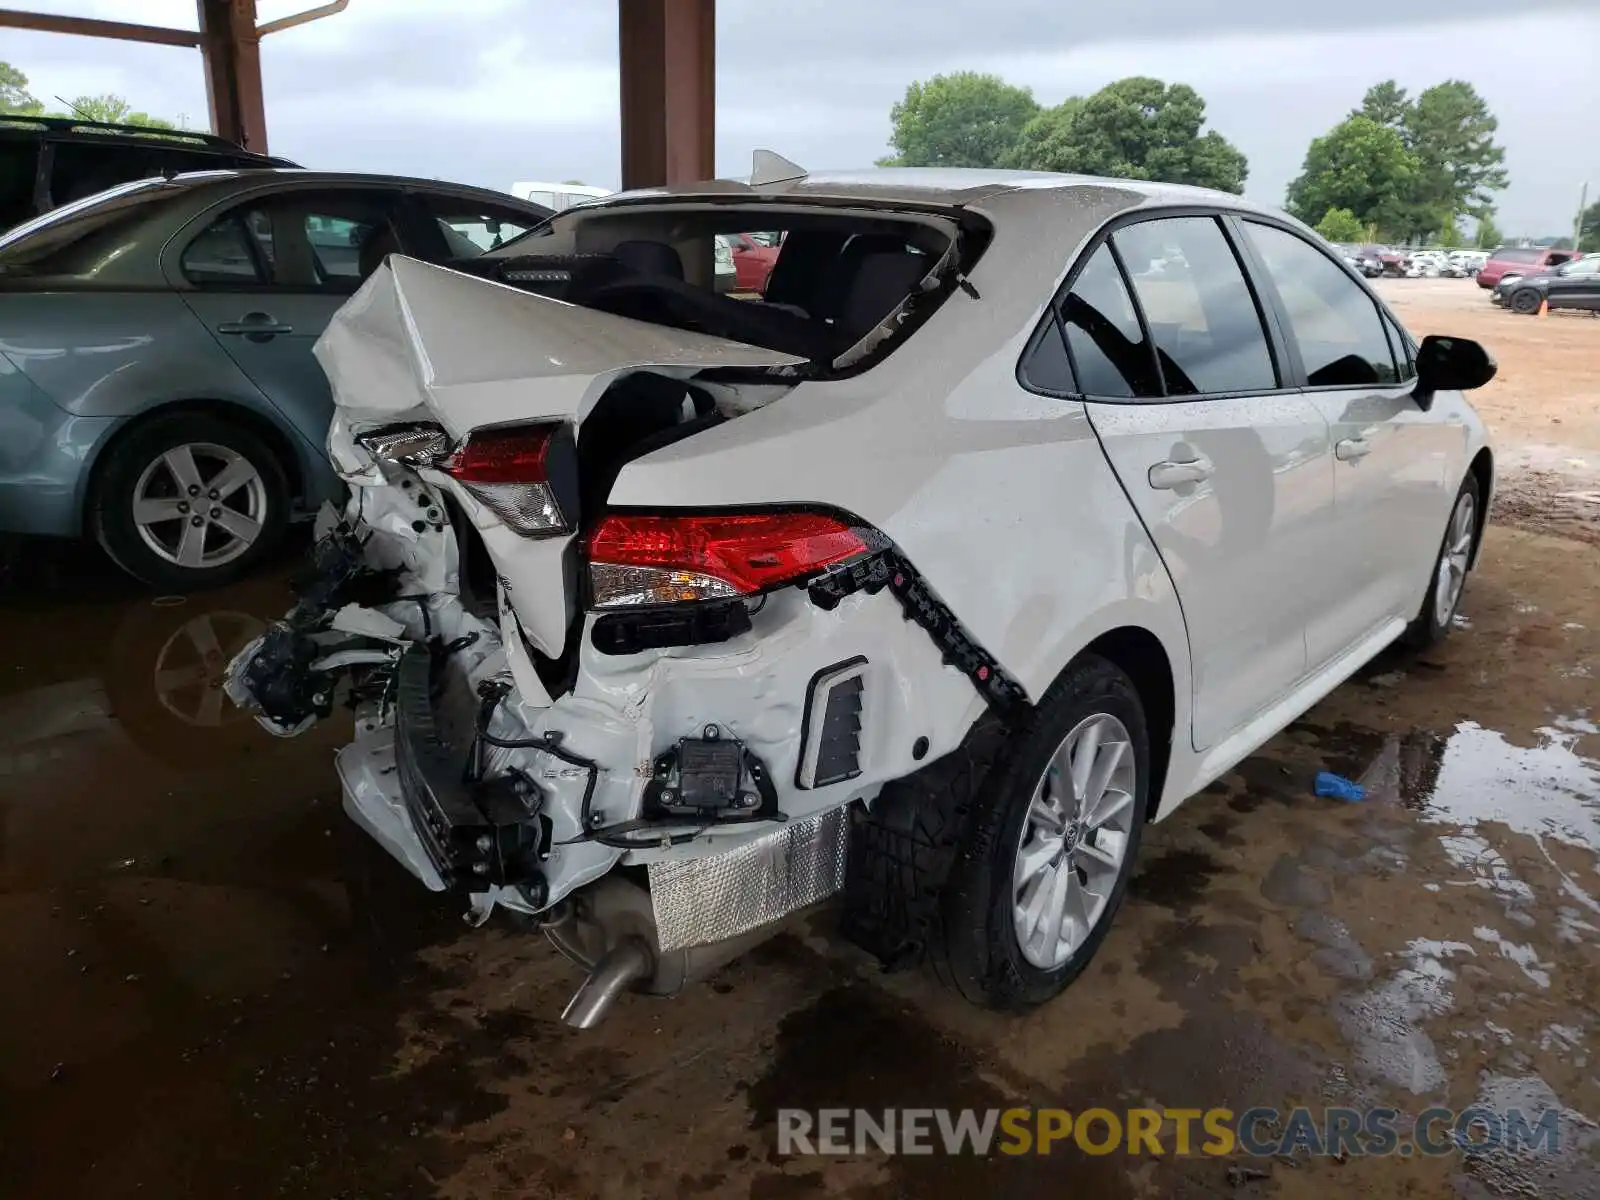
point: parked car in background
(1574, 284)
(48, 161)
(977, 515)
(1463, 263)
(557, 197)
(724, 269)
(1425, 264)
(1521, 260)
(1369, 260)
(157, 389)
(753, 257)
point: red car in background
(1521, 260)
(753, 256)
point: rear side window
(19, 166)
(1334, 321)
(1110, 354)
(1518, 254)
(1199, 309)
(223, 255)
(308, 241)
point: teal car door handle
(257, 326)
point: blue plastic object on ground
(1337, 787)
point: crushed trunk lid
(423, 343)
(475, 353)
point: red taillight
(671, 559)
(511, 455)
(508, 470)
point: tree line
(1397, 168)
(16, 100)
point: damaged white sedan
(1018, 508)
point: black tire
(1526, 301)
(1428, 628)
(932, 864)
(211, 437)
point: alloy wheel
(1454, 559)
(200, 505)
(1074, 841)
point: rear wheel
(190, 501)
(1004, 863)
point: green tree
(1362, 166)
(1450, 236)
(965, 119)
(1386, 103)
(1451, 131)
(1045, 143)
(14, 96)
(1489, 236)
(1589, 230)
(1138, 128)
(1342, 225)
(113, 110)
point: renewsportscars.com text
(1261, 1132)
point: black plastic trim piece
(702, 623)
(889, 568)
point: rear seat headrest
(881, 281)
(649, 258)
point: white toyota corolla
(1019, 508)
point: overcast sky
(491, 91)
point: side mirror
(1450, 364)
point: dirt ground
(215, 986)
(1543, 408)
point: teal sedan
(157, 387)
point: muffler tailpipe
(624, 964)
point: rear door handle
(1170, 474)
(257, 326)
(1352, 449)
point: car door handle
(1352, 449)
(257, 326)
(1170, 474)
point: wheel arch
(1142, 657)
(1482, 469)
(279, 441)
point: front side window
(1583, 266)
(470, 230)
(1332, 318)
(1109, 352)
(1200, 311)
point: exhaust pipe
(624, 964)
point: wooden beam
(232, 50)
(89, 27)
(667, 55)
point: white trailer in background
(557, 196)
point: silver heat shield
(703, 900)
